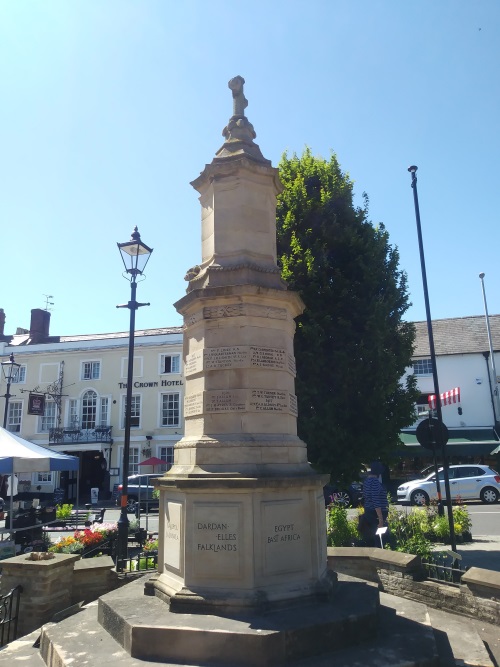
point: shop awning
(461, 442)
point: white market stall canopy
(19, 455)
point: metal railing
(443, 568)
(77, 435)
(144, 561)
(9, 613)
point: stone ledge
(478, 596)
(478, 575)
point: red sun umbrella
(153, 461)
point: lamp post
(9, 369)
(440, 441)
(496, 400)
(135, 255)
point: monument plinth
(242, 513)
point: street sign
(428, 432)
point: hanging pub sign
(36, 404)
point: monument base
(236, 544)
(146, 628)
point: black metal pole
(6, 409)
(413, 172)
(123, 522)
(7, 394)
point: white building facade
(83, 380)
(471, 411)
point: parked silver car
(467, 482)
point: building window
(166, 454)
(48, 420)
(133, 461)
(19, 376)
(73, 413)
(137, 368)
(89, 409)
(44, 478)
(170, 363)
(14, 416)
(422, 367)
(170, 409)
(135, 411)
(91, 370)
(104, 411)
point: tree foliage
(352, 345)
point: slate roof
(123, 334)
(458, 335)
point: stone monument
(242, 561)
(242, 513)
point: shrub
(151, 545)
(341, 532)
(64, 511)
(461, 519)
(441, 528)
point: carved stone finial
(240, 102)
(239, 134)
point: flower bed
(410, 531)
(86, 540)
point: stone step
(458, 642)
(80, 641)
(405, 639)
(22, 652)
(410, 634)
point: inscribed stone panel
(286, 536)
(225, 357)
(217, 534)
(172, 535)
(268, 400)
(267, 357)
(193, 404)
(194, 363)
(225, 400)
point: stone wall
(49, 586)
(478, 595)
(93, 577)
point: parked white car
(467, 482)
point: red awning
(153, 461)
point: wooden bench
(70, 524)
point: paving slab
(458, 641)
(22, 652)
(405, 639)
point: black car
(349, 496)
(140, 489)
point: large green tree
(352, 345)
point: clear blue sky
(111, 107)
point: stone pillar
(47, 587)
(242, 518)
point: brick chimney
(39, 326)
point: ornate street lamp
(135, 255)
(10, 371)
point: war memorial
(244, 575)
(242, 566)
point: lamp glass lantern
(135, 254)
(10, 369)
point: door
(468, 482)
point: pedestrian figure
(375, 503)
